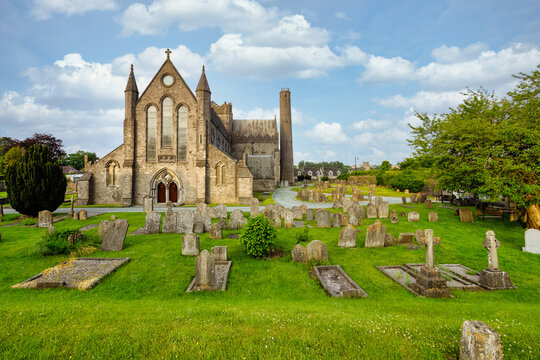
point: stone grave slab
(78, 273)
(337, 283)
(222, 277)
(452, 282)
(298, 224)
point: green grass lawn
(272, 309)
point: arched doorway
(161, 193)
(173, 193)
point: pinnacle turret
(203, 83)
(132, 84)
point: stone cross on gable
(168, 52)
(428, 241)
(491, 244)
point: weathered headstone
(169, 208)
(382, 210)
(83, 215)
(221, 211)
(402, 214)
(479, 342)
(344, 219)
(532, 241)
(236, 220)
(148, 204)
(190, 244)
(413, 216)
(352, 220)
(152, 222)
(211, 212)
(428, 204)
(347, 237)
(465, 215)
(492, 277)
(198, 226)
(115, 235)
(404, 200)
(299, 253)
(389, 240)
(405, 239)
(316, 251)
(336, 220)
(309, 214)
(322, 216)
(288, 218)
(276, 219)
(433, 216)
(215, 231)
(45, 219)
(184, 221)
(169, 223)
(413, 198)
(375, 235)
(420, 235)
(371, 211)
(102, 228)
(297, 213)
(219, 253)
(205, 268)
(254, 205)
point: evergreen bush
(35, 182)
(408, 180)
(258, 236)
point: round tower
(285, 136)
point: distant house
(332, 173)
(71, 173)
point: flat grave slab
(452, 282)
(337, 283)
(88, 227)
(222, 277)
(298, 224)
(79, 273)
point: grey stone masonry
(190, 244)
(299, 253)
(205, 269)
(221, 211)
(152, 222)
(347, 237)
(45, 219)
(237, 220)
(479, 342)
(375, 235)
(219, 253)
(316, 251)
(323, 216)
(148, 204)
(215, 231)
(115, 235)
(371, 211)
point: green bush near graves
(56, 242)
(258, 236)
(272, 309)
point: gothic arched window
(182, 133)
(151, 133)
(113, 174)
(166, 122)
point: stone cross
(428, 242)
(168, 52)
(491, 244)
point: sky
(358, 71)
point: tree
(487, 146)
(35, 182)
(385, 166)
(12, 156)
(53, 144)
(76, 160)
(6, 143)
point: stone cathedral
(183, 148)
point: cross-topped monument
(168, 52)
(493, 278)
(492, 244)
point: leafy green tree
(76, 160)
(13, 155)
(258, 236)
(35, 182)
(385, 166)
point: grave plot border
(471, 278)
(356, 291)
(222, 277)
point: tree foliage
(487, 145)
(35, 182)
(325, 164)
(258, 236)
(76, 160)
(54, 145)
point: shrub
(324, 178)
(258, 236)
(56, 242)
(408, 180)
(28, 221)
(302, 236)
(35, 182)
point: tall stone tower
(285, 135)
(131, 96)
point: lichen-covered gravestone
(465, 215)
(322, 217)
(237, 220)
(221, 211)
(405, 239)
(254, 205)
(219, 253)
(299, 253)
(169, 223)
(309, 214)
(205, 268)
(288, 218)
(433, 216)
(479, 341)
(115, 235)
(215, 231)
(152, 222)
(336, 220)
(347, 237)
(389, 240)
(316, 251)
(83, 215)
(45, 219)
(190, 244)
(184, 221)
(375, 235)
(413, 216)
(371, 211)
(352, 220)
(428, 204)
(382, 210)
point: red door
(161, 193)
(173, 193)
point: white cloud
(291, 31)
(330, 154)
(370, 124)
(43, 9)
(299, 156)
(453, 54)
(425, 101)
(341, 15)
(382, 70)
(327, 133)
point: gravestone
(222, 224)
(378, 201)
(169, 209)
(70, 213)
(219, 253)
(420, 235)
(406, 191)
(347, 237)
(215, 231)
(148, 204)
(316, 251)
(184, 221)
(404, 200)
(429, 204)
(389, 240)
(346, 204)
(359, 211)
(237, 220)
(433, 216)
(76, 215)
(371, 211)
(304, 208)
(299, 253)
(413, 198)
(479, 342)
(322, 217)
(221, 211)
(493, 277)
(276, 220)
(344, 219)
(169, 223)
(532, 241)
(405, 239)
(83, 215)
(152, 222)
(413, 216)
(422, 199)
(353, 220)
(254, 204)
(382, 210)
(190, 244)
(393, 217)
(336, 220)
(198, 227)
(45, 219)
(402, 214)
(375, 235)
(211, 212)
(102, 228)
(288, 218)
(205, 268)
(297, 213)
(465, 215)
(115, 235)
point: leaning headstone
(222, 224)
(198, 227)
(378, 201)
(429, 204)
(394, 219)
(184, 221)
(316, 251)
(254, 204)
(413, 216)
(389, 240)
(276, 220)
(83, 215)
(299, 253)
(288, 218)
(221, 211)
(344, 219)
(465, 215)
(371, 211)
(211, 212)
(405, 239)
(322, 216)
(413, 198)
(297, 213)
(479, 342)
(375, 235)
(347, 237)
(152, 222)
(76, 215)
(419, 235)
(219, 253)
(493, 277)
(532, 241)
(115, 235)
(45, 219)
(205, 268)
(336, 220)
(382, 210)
(169, 223)
(215, 231)
(433, 216)
(309, 214)
(190, 244)
(148, 204)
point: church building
(181, 147)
